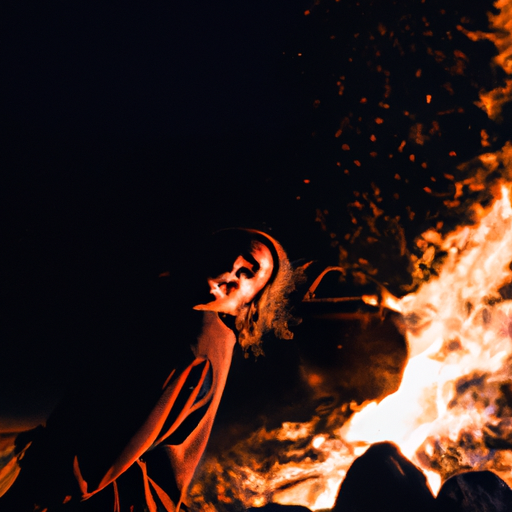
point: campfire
(449, 407)
(396, 179)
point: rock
(476, 491)
(383, 480)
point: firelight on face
(239, 286)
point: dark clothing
(134, 437)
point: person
(130, 437)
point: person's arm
(179, 398)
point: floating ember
(454, 394)
(453, 409)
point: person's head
(250, 277)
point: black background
(128, 133)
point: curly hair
(270, 310)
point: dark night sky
(169, 69)
(125, 131)
(129, 131)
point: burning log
(452, 411)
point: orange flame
(453, 411)
(464, 332)
(459, 330)
(492, 101)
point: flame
(453, 410)
(459, 332)
(501, 36)
(452, 404)
(464, 333)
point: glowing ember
(453, 411)
(459, 328)
(492, 101)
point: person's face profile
(238, 285)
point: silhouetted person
(131, 435)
